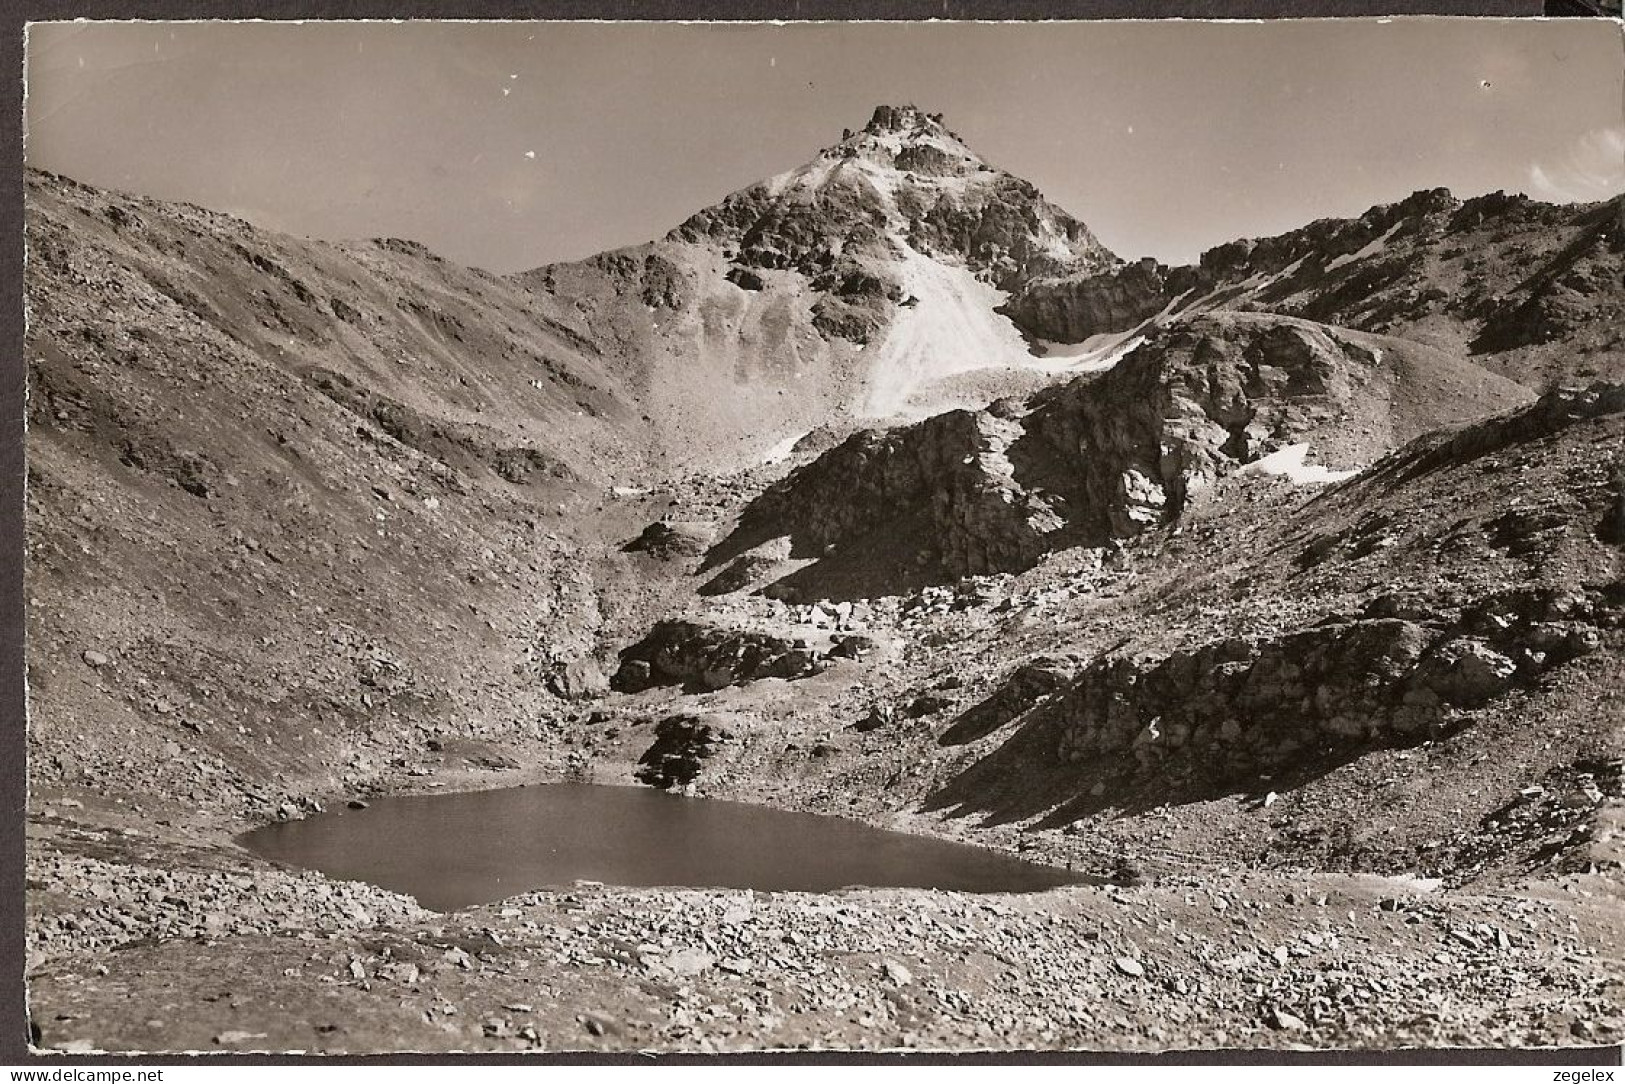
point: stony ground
(214, 951)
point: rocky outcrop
(577, 679)
(1128, 451)
(1233, 708)
(1003, 229)
(1028, 685)
(1566, 291)
(667, 541)
(682, 744)
(1551, 413)
(679, 652)
(857, 307)
(1072, 309)
(937, 497)
(1329, 261)
(1100, 458)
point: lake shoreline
(1171, 963)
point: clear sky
(508, 145)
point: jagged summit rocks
(904, 181)
(906, 137)
(905, 118)
(1526, 288)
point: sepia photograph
(935, 537)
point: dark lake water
(458, 850)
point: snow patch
(1420, 883)
(1264, 281)
(1379, 245)
(1100, 352)
(781, 451)
(1095, 354)
(808, 178)
(1288, 462)
(950, 328)
(894, 142)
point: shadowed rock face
(926, 497)
(1070, 310)
(682, 744)
(1129, 450)
(1030, 684)
(1238, 706)
(1200, 722)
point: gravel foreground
(210, 950)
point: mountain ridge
(1455, 273)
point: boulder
(577, 679)
(1468, 672)
(634, 676)
(880, 715)
(682, 743)
(667, 542)
(927, 704)
(683, 652)
(850, 647)
(745, 278)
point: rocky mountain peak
(902, 189)
(903, 119)
(906, 139)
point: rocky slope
(269, 480)
(1220, 961)
(1278, 636)
(1506, 789)
(455, 364)
(1103, 457)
